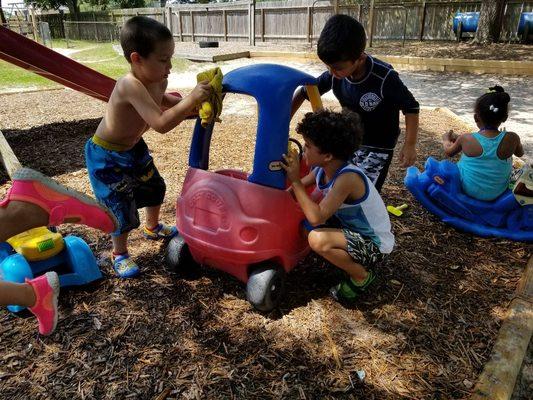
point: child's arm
(395, 91)
(307, 180)
(163, 121)
(518, 149)
(408, 152)
(315, 213)
(324, 83)
(297, 101)
(170, 100)
(452, 143)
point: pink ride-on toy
(246, 225)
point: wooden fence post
(34, 24)
(422, 21)
(262, 24)
(95, 28)
(251, 22)
(225, 22)
(192, 26)
(371, 23)
(309, 25)
(180, 27)
(169, 20)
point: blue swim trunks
(124, 181)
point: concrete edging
(498, 378)
(502, 67)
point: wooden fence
(292, 20)
(433, 20)
(302, 21)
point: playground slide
(30, 55)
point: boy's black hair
(140, 34)
(342, 39)
(339, 134)
(492, 107)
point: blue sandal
(125, 267)
(161, 231)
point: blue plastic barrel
(525, 18)
(469, 21)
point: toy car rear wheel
(266, 286)
(178, 257)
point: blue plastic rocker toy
(439, 190)
(36, 251)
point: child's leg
(123, 264)
(58, 202)
(149, 193)
(152, 217)
(120, 243)
(20, 216)
(331, 244)
(39, 295)
(153, 229)
(20, 294)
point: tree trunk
(2, 16)
(74, 9)
(365, 13)
(490, 21)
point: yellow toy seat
(37, 244)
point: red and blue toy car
(245, 224)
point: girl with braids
(486, 163)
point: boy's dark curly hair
(337, 133)
(342, 39)
(493, 107)
(140, 34)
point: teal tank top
(485, 177)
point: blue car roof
(260, 79)
(272, 86)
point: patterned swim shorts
(362, 250)
(374, 162)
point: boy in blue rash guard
(371, 88)
(350, 227)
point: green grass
(98, 56)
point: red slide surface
(34, 57)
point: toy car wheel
(178, 257)
(265, 287)
(207, 44)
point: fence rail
(99, 31)
(298, 21)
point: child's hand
(407, 155)
(450, 136)
(292, 165)
(201, 92)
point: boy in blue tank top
(486, 163)
(370, 87)
(350, 227)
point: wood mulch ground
(424, 331)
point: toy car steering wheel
(300, 147)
